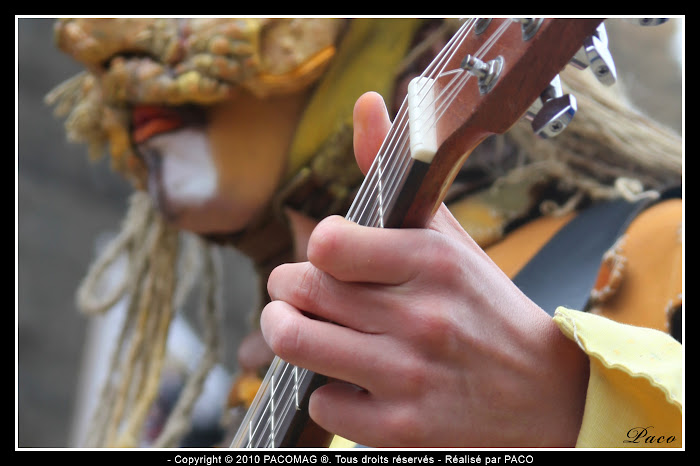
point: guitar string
(451, 90)
(443, 105)
(402, 155)
(257, 431)
(458, 82)
(402, 152)
(445, 102)
(289, 401)
(390, 144)
(255, 409)
(385, 169)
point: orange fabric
(651, 279)
(642, 277)
(244, 389)
(518, 247)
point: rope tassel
(133, 379)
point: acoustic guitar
(484, 80)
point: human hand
(430, 343)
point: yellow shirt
(635, 390)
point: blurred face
(212, 170)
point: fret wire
(447, 96)
(363, 193)
(380, 170)
(395, 143)
(361, 199)
(259, 398)
(254, 408)
(257, 429)
(278, 375)
(286, 407)
(396, 140)
(283, 402)
(272, 412)
(286, 403)
(296, 388)
(370, 180)
(403, 157)
(279, 372)
(396, 137)
(371, 217)
(438, 62)
(291, 381)
(250, 436)
(288, 381)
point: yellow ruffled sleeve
(635, 390)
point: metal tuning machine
(595, 54)
(552, 112)
(486, 72)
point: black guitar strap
(564, 271)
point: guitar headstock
(523, 56)
(484, 83)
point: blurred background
(64, 203)
(67, 205)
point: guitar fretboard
(404, 184)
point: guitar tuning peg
(552, 112)
(595, 54)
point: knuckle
(285, 341)
(434, 328)
(323, 241)
(404, 426)
(440, 263)
(308, 288)
(299, 284)
(415, 378)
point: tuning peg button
(554, 116)
(552, 112)
(601, 61)
(595, 54)
(486, 72)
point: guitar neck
(278, 416)
(451, 110)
